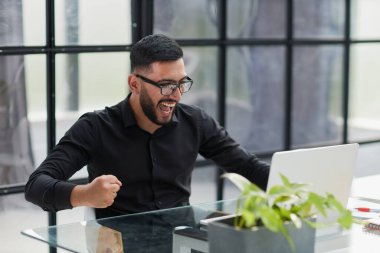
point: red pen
(367, 209)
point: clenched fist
(100, 193)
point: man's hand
(100, 193)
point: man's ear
(134, 85)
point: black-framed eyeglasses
(168, 87)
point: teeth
(169, 104)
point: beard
(148, 108)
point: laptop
(327, 169)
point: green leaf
(299, 188)
(319, 202)
(285, 180)
(249, 218)
(304, 209)
(270, 218)
(284, 213)
(253, 190)
(280, 189)
(238, 180)
(335, 203)
(282, 199)
(287, 200)
(345, 219)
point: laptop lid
(327, 169)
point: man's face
(159, 108)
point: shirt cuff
(62, 193)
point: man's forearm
(48, 193)
(79, 196)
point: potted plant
(279, 220)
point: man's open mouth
(166, 107)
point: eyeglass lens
(169, 89)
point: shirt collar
(127, 113)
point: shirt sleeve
(47, 186)
(219, 146)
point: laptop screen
(327, 169)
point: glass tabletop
(153, 231)
(142, 232)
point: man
(141, 152)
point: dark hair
(153, 48)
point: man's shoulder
(109, 113)
(96, 114)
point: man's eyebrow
(166, 80)
(171, 80)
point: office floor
(203, 190)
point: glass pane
(317, 95)
(35, 74)
(92, 22)
(319, 19)
(203, 187)
(255, 96)
(364, 16)
(364, 123)
(90, 81)
(22, 116)
(186, 19)
(73, 215)
(87, 82)
(201, 65)
(15, 215)
(22, 23)
(256, 19)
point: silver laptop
(327, 169)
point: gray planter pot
(223, 238)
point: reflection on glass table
(154, 232)
(143, 232)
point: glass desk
(153, 232)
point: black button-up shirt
(155, 169)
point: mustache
(168, 101)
